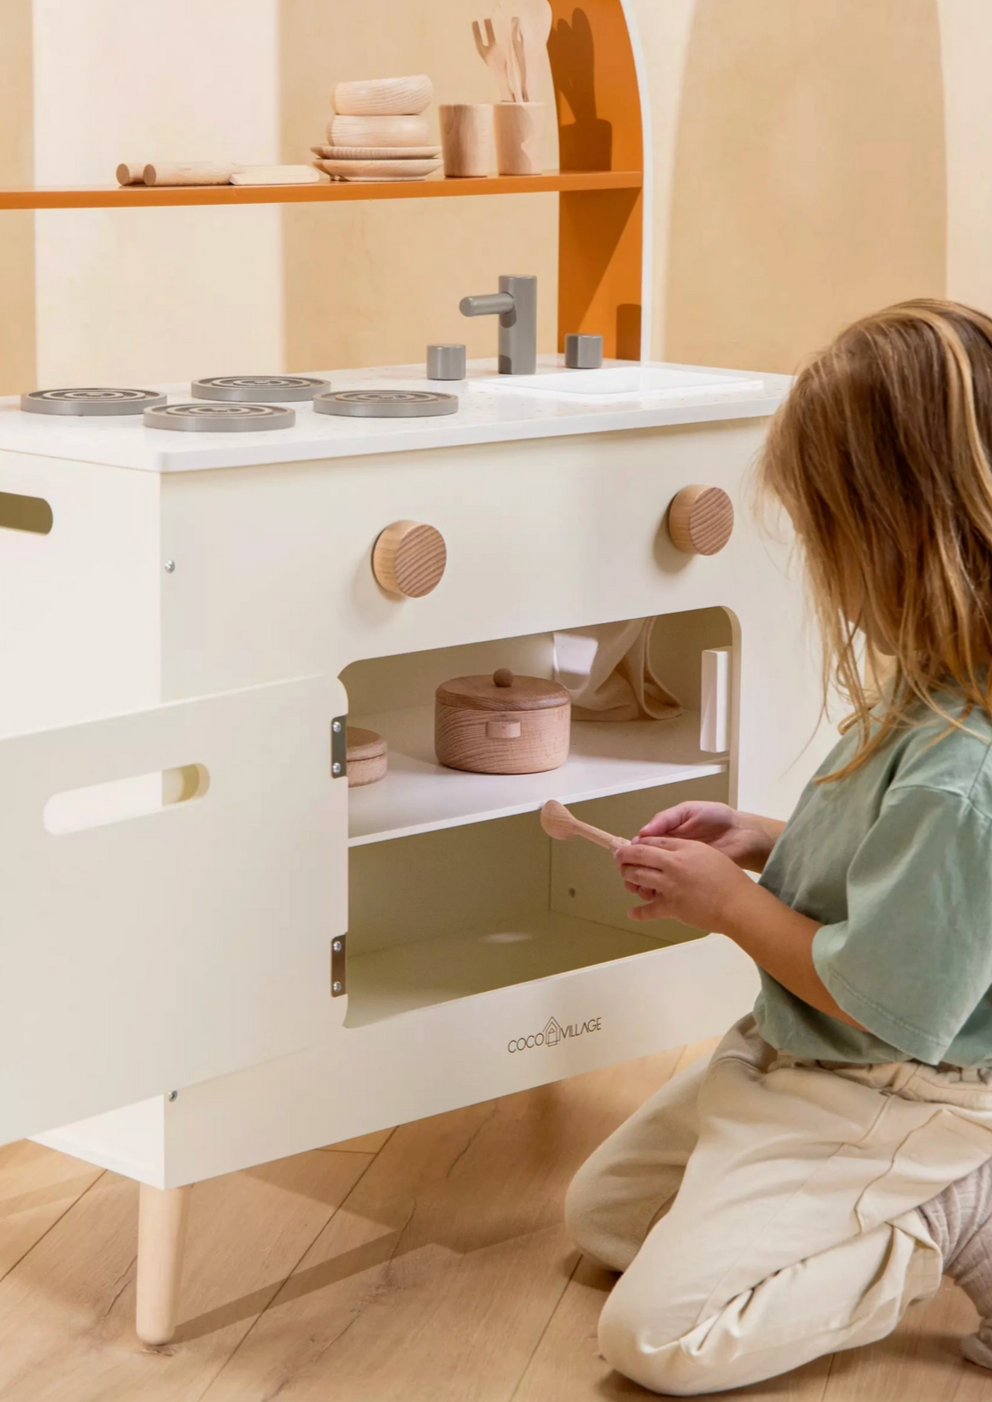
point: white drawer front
(159, 950)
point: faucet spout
(516, 306)
(490, 304)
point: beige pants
(762, 1210)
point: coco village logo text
(554, 1033)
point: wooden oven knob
(700, 520)
(408, 559)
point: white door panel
(178, 941)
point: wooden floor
(427, 1264)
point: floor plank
(67, 1311)
(920, 1362)
(439, 1274)
(37, 1187)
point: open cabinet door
(175, 923)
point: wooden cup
(519, 130)
(467, 138)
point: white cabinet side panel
(79, 625)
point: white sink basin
(624, 381)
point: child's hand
(739, 836)
(682, 880)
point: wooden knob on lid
(700, 520)
(409, 559)
(503, 677)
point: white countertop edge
(92, 440)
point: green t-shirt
(896, 861)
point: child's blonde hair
(880, 455)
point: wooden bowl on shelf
(502, 724)
(383, 97)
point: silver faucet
(516, 306)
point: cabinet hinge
(339, 966)
(339, 747)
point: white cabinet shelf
(420, 795)
(420, 973)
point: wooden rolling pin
(172, 173)
(558, 822)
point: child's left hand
(681, 880)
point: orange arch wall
(600, 127)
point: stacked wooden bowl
(378, 131)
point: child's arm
(695, 883)
(745, 838)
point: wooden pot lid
(502, 691)
(364, 744)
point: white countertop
(486, 415)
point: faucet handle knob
(409, 559)
(700, 520)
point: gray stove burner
(267, 389)
(386, 403)
(220, 418)
(90, 401)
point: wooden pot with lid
(502, 724)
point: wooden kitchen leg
(161, 1233)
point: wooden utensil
(535, 25)
(559, 823)
(383, 97)
(494, 55)
(175, 173)
(519, 60)
(378, 131)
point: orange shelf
(146, 197)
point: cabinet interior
(454, 888)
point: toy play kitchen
(216, 951)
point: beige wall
(966, 31)
(17, 351)
(809, 182)
(160, 294)
(810, 161)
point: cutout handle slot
(23, 513)
(120, 800)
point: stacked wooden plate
(378, 131)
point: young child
(794, 1194)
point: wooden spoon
(558, 822)
(519, 60)
(535, 26)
